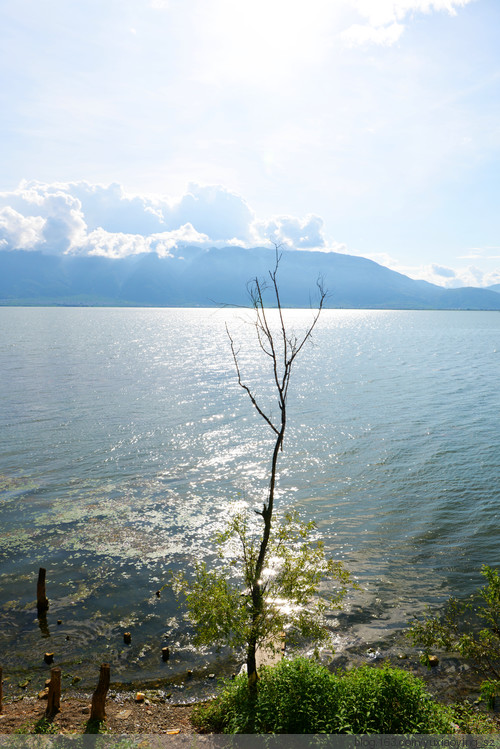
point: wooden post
(97, 711)
(1, 689)
(54, 697)
(42, 603)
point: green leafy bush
(469, 719)
(387, 700)
(302, 696)
(470, 627)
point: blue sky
(370, 127)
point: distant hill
(197, 277)
(495, 287)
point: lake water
(124, 435)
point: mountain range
(199, 277)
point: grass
(41, 726)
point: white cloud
(54, 215)
(383, 12)
(118, 244)
(65, 227)
(384, 19)
(113, 245)
(471, 276)
(91, 219)
(103, 220)
(110, 208)
(269, 42)
(292, 232)
(85, 219)
(210, 209)
(440, 275)
(439, 270)
(213, 210)
(18, 232)
(163, 243)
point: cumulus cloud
(119, 244)
(20, 232)
(440, 270)
(54, 217)
(167, 241)
(86, 219)
(113, 245)
(65, 227)
(103, 220)
(109, 207)
(212, 210)
(383, 20)
(469, 276)
(293, 232)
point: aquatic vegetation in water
(470, 627)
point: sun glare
(267, 39)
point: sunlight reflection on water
(124, 434)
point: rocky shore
(450, 679)
(124, 715)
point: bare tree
(245, 612)
(282, 349)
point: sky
(368, 127)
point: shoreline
(452, 680)
(124, 715)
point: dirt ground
(123, 715)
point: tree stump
(97, 711)
(54, 696)
(42, 602)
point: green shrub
(470, 627)
(471, 720)
(387, 700)
(301, 696)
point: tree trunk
(282, 348)
(97, 711)
(252, 665)
(54, 698)
(252, 682)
